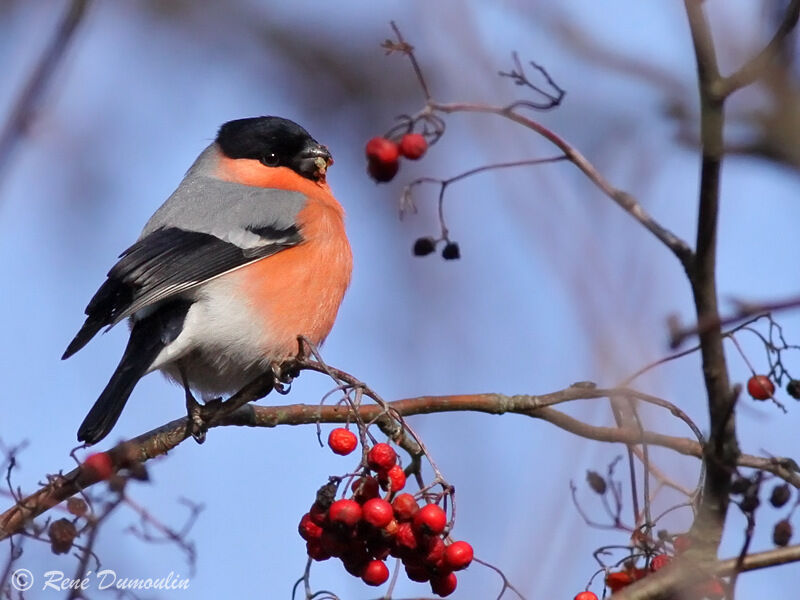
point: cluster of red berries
(713, 588)
(383, 155)
(365, 529)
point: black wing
(165, 263)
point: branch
(163, 439)
(722, 451)
(625, 200)
(681, 575)
(24, 109)
(752, 69)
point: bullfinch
(248, 253)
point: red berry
(760, 387)
(430, 519)
(434, 553)
(318, 514)
(377, 512)
(413, 146)
(659, 562)
(394, 478)
(405, 506)
(375, 573)
(587, 595)
(308, 529)
(99, 465)
(315, 551)
(332, 544)
(342, 441)
(345, 511)
(618, 579)
(418, 573)
(681, 543)
(365, 488)
(382, 150)
(444, 584)
(381, 457)
(458, 555)
(405, 539)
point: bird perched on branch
(248, 253)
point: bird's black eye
(270, 160)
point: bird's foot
(284, 374)
(196, 415)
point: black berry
(451, 251)
(424, 246)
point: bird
(248, 253)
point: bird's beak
(314, 161)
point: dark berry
(424, 246)
(451, 251)
(780, 495)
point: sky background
(556, 284)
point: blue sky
(556, 284)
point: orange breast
(297, 291)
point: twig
(30, 98)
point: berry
(760, 387)
(394, 478)
(596, 482)
(750, 502)
(342, 441)
(317, 514)
(375, 573)
(444, 584)
(780, 495)
(365, 488)
(332, 544)
(418, 573)
(424, 246)
(309, 530)
(793, 388)
(382, 172)
(405, 541)
(377, 512)
(382, 156)
(451, 251)
(61, 534)
(315, 551)
(99, 465)
(404, 507)
(355, 561)
(430, 519)
(381, 457)
(345, 511)
(434, 553)
(77, 506)
(458, 555)
(587, 595)
(681, 543)
(659, 562)
(413, 146)
(619, 579)
(782, 533)
(382, 150)
(740, 485)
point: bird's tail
(142, 349)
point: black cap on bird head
(275, 142)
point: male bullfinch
(247, 254)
